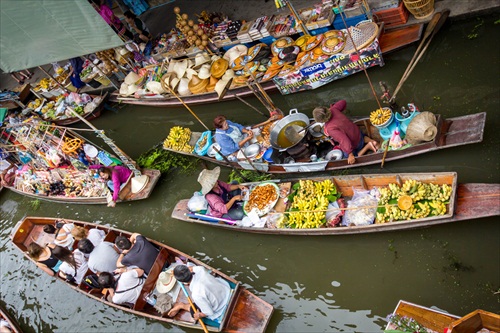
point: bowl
(252, 150)
(334, 154)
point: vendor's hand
(237, 198)
(242, 187)
(112, 204)
(351, 159)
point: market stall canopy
(38, 32)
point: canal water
(315, 283)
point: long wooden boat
(37, 175)
(14, 326)
(390, 40)
(452, 132)
(87, 115)
(433, 319)
(467, 202)
(245, 311)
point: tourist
(94, 235)
(136, 251)
(124, 289)
(44, 257)
(116, 178)
(62, 232)
(210, 294)
(343, 131)
(74, 264)
(224, 200)
(230, 136)
(101, 258)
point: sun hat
(302, 41)
(333, 44)
(183, 87)
(219, 67)
(155, 87)
(200, 59)
(222, 86)
(139, 183)
(90, 150)
(313, 41)
(251, 67)
(166, 281)
(131, 78)
(235, 52)
(190, 72)
(208, 179)
(289, 53)
(128, 89)
(197, 85)
(204, 72)
(280, 44)
(238, 63)
(211, 84)
(228, 74)
(180, 67)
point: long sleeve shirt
(341, 129)
(119, 176)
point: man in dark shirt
(136, 251)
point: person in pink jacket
(116, 178)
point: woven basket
(422, 128)
(421, 9)
(362, 35)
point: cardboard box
(475, 321)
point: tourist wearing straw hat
(343, 131)
(224, 200)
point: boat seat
(150, 283)
(111, 236)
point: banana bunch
(437, 207)
(45, 83)
(440, 193)
(178, 139)
(35, 104)
(380, 116)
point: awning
(38, 32)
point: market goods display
(83, 104)
(380, 117)
(413, 200)
(196, 34)
(310, 201)
(106, 56)
(262, 198)
(178, 139)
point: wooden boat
(456, 131)
(78, 181)
(440, 321)
(467, 202)
(390, 40)
(14, 326)
(87, 115)
(432, 319)
(245, 311)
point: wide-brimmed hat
(235, 52)
(239, 63)
(280, 44)
(197, 85)
(155, 87)
(333, 43)
(302, 41)
(289, 53)
(204, 72)
(219, 67)
(208, 179)
(128, 89)
(190, 72)
(131, 78)
(139, 183)
(222, 86)
(181, 66)
(183, 87)
(211, 84)
(200, 59)
(312, 42)
(166, 281)
(228, 75)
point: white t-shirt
(210, 293)
(128, 280)
(81, 261)
(96, 236)
(65, 232)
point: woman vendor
(230, 136)
(224, 200)
(116, 178)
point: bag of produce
(361, 209)
(198, 203)
(205, 140)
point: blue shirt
(228, 146)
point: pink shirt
(217, 205)
(119, 176)
(342, 129)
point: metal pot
(278, 139)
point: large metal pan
(278, 138)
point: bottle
(404, 112)
(151, 299)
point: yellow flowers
(380, 116)
(178, 139)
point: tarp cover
(38, 32)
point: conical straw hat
(139, 183)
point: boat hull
(245, 313)
(14, 326)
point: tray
(267, 207)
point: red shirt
(341, 129)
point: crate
(389, 4)
(392, 17)
(357, 9)
(338, 23)
(475, 321)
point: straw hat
(200, 59)
(208, 179)
(289, 53)
(155, 87)
(128, 89)
(139, 183)
(280, 44)
(235, 52)
(166, 281)
(302, 41)
(222, 86)
(180, 67)
(131, 78)
(239, 63)
(422, 128)
(211, 84)
(190, 72)
(219, 67)
(183, 87)
(215, 57)
(228, 75)
(333, 44)
(197, 85)
(204, 72)
(174, 82)
(312, 42)
(363, 34)
(251, 67)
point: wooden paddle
(193, 307)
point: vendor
(230, 136)
(138, 27)
(224, 200)
(116, 178)
(74, 73)
(343, 131)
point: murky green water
(337, 283)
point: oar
(187, 107)
(428, 31)
(193, 307)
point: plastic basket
(103, 80)
(421, 9)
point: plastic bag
(366, 212)
(197, 203)
(203, 143)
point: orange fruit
(405, 202)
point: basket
(103, 80)
(422, 128)
(421, 9)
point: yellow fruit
(405, 202)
